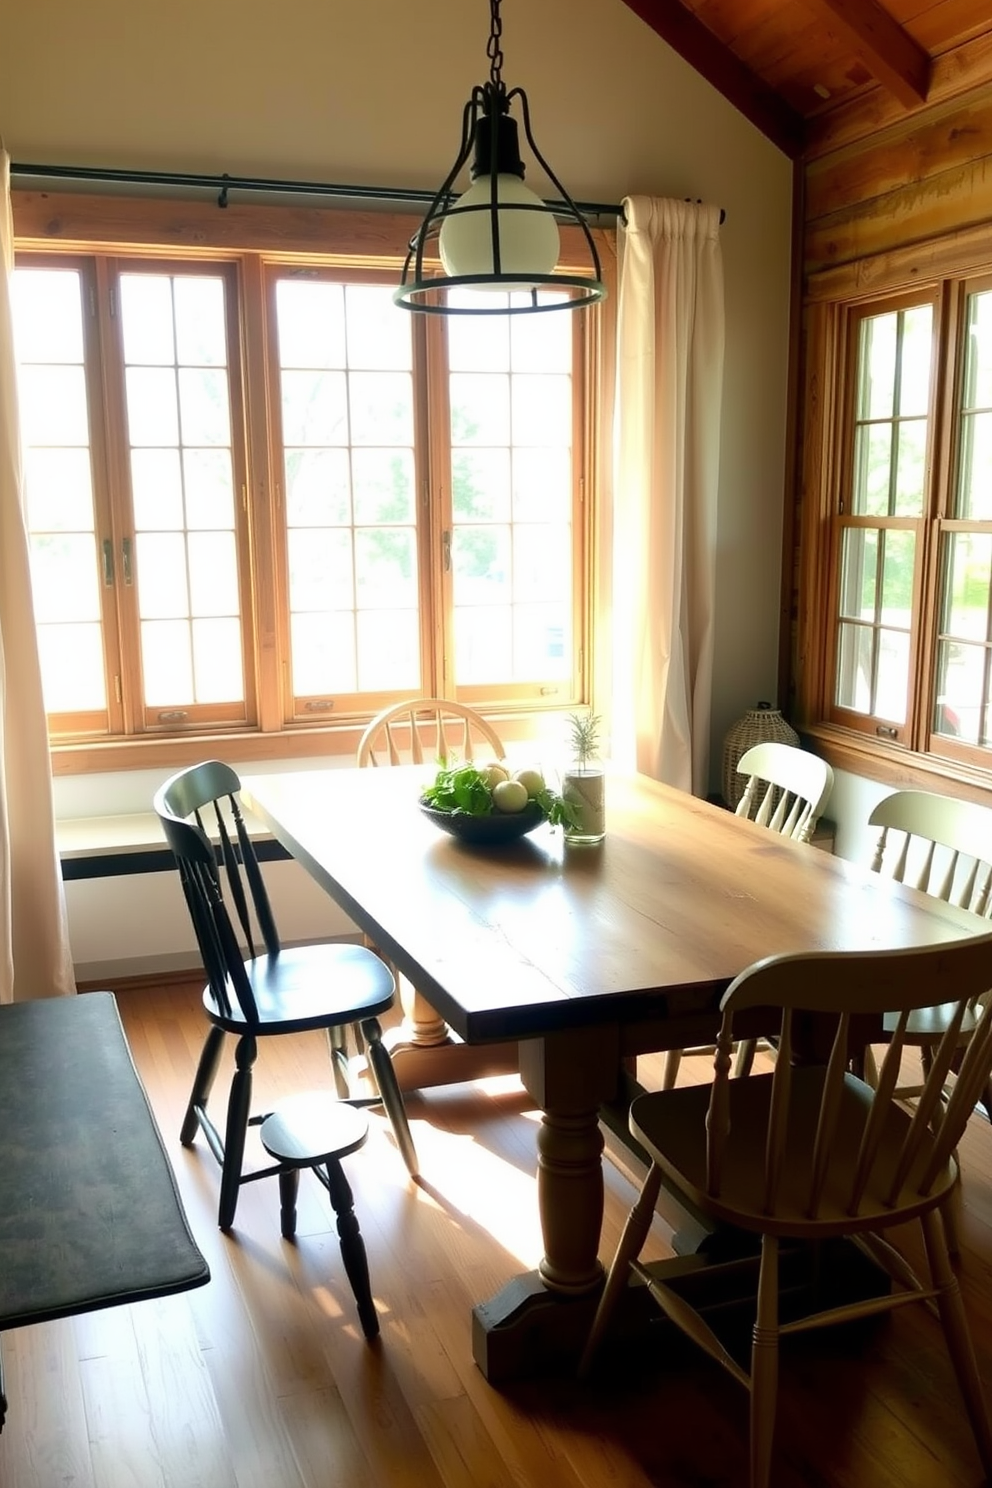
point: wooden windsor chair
(810, 1153)
(787, 791)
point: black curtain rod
(224, 183)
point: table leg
(545, 1315)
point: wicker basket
(758, 726)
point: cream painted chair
(787, 789)
(944, 847)
(787, 792)
(810, 1153)
(428, 729)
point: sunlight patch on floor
(485, 1188)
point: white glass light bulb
(528, 241)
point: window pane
(872, 468)
(64, 550)
(318, 487)
(854, 668)
(911, 469)
(216, 659)
(71, 667)
(897, 578)
(58, 485)
(962, 680)
(324, 653)
(859, 573)
(974, 494)
(967, 576)
(484, 644)
(480, 482)
(182, 469)
(350, 475)
(481, 564)
(146, 317)
(311, 324)
(892, 688)
(877, 367)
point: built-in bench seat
(111, 846)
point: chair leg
(289, 1187)
(337, 1043)
(206, 1072)
(238, 1107)
(392, 1098)
(353, 1254)
(673, 1060)
(746, 1051)
(635, 1232)
(764, 1365)
(959, 1344)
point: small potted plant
(584, 780)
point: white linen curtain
(34, 945)
(670, 342)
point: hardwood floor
(262, 1379)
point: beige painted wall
(372, 93)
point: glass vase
(583, 785)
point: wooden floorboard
(263, 1378)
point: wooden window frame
(945, 271)
(251, 241)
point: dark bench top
(90, 1215)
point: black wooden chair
(256, 987)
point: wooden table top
(539, 936)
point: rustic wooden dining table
(585, 957)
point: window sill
(899, 768)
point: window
(907, 661)
(262, 499)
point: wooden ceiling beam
(696, 45)
(886, 49)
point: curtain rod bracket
(222, 199)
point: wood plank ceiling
(802, 70)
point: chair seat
(671, 1124)
(296, 990)
(312, 1128)
(928, 1025)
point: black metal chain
(494, 51)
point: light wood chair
(787, 791)
(428, 729)
(808, 1153)
(944, 847)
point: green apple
(493, 772)
(531, 779)
(510, 795)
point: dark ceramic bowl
(502, 826)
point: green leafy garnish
(462, 789)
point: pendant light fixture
(498, 235)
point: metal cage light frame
(490, 138)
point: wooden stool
(316, 1131)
